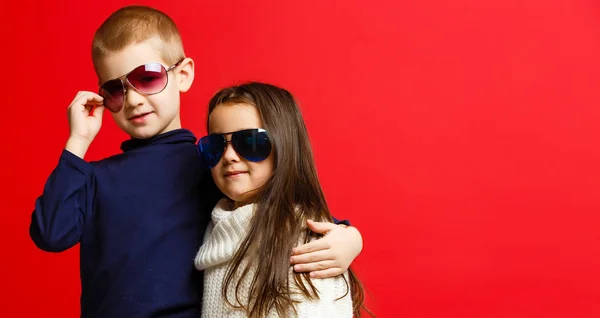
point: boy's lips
(139, 118)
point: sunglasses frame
(125, 82)
(259, 130)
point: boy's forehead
(119, 63)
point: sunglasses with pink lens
(147, 79)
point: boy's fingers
(320, 227)
(85, 102)
(80, 103)
(313, 246)
(94, 99)
(312, 267)
(87, 93)
(332, 272)
(97, 112)
(317, 256)
(87, 99)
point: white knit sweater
(223, 236)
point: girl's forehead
(233, 117)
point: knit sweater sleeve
(334, 300)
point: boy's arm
(332, 254)
(57, 221)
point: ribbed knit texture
(223, 237)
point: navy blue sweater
(140, 217)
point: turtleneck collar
(225, 233)
(171, 137)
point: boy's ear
(185, 74)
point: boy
(140, 216)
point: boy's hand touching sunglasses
(85, 120)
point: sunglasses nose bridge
(127, 85)
(229, 152)
(131, 94)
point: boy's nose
(132, 97)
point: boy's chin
(143, 132)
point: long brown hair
(292, 195)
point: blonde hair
(134, 24)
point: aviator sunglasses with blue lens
(251, 144)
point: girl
(261, 159)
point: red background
(460, 137)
